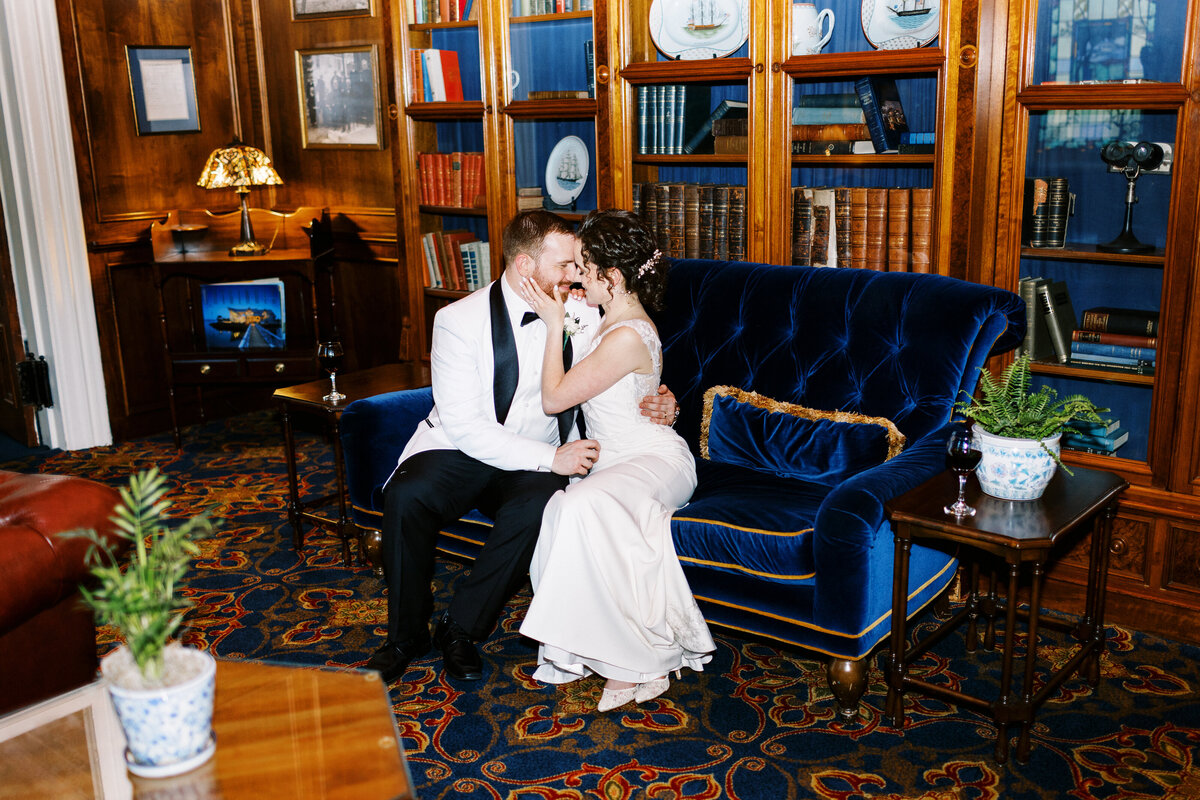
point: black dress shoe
(459, 656)
(392, 659)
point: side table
(308, 398)
(1019, 533)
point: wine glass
(329, 356)
(962, 458)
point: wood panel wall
(244, 61)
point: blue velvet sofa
(802, 560)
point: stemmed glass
(962, 458)
(329, 356)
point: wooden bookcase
(1063, 100)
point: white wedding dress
(609, 595)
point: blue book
(701, 140)
(1108, 442)
(1089, 428)
(1125, 351)
(644, 93)
(880, 101)
(1103, 359)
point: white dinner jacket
(461, 363)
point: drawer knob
(1118, 546)
(205, 369)
(279, 368)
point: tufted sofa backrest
(891, 344)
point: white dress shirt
(464, 413)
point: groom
(487, 444)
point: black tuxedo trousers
(433, 488)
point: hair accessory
(649, 265)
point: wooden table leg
(973, 608)
(1003, 706)
(343, 520)
(289, 452)
(1031, 648)
(1098, 592)
(895, 698)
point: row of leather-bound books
(694, 220)
(884, 229)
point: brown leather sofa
(47, 636)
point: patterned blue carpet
(758, 724)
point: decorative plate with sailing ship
(695, 29)
(566, 170)
(900, 24)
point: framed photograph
(244, 315)
(339, 98)
(163, 89)
(303, 10)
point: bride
(609, 594)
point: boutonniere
(571, 326)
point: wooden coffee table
(1020, 533)
(280, 731)
(309, 398)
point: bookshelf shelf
(578, 108)
(707, 71)
(831, 66)
(445, 294)
(1090, 252)
(1091, 373)
(1145, 96)
(453, 211)
(456, 111)
(435, 26)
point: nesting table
(1024, 535)
(309, 398)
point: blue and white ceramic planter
(1014, 469)
(168, 730)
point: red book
(451, 76)
(452, 240)
(416, 83)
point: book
(736, 235)
(824, 242)
(730, 145)
(1090, 428)
(858, 227)
(841, 225)
(1120, 320)
(1037, 336)
(845, 132)
(921, 230)
(1060, 205)
(828, 147)
(1118, 365)
(721, 222)
(802, 227)
(877, 219)
(433, 71)
(898, 235)
(825, 109)
(643, 120)
(916, 149)
(636, 194)
(1060, 317)
(706, 220)
(1034, 231)
(1108, 441)
(1089, 349)
(451, 79)
(558, 94)
(1101, 358)
(1103, 337)
(691, 220)
(700, 141)
(692, 111)
(731, 126)
(880, 101)
(589, 66)
(662, 233)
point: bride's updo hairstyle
(616, 239)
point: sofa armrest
(374, 431)
(852, 545)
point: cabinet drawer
(281, 367)
(205, 370)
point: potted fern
(162, 691)
(1017, 430)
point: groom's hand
(662, 407)
(575, 458)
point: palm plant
(140, 600)
(1009, 408)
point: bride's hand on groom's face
(547, 306)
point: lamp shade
(238, 165)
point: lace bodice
(614, 414)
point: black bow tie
(528, 317)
